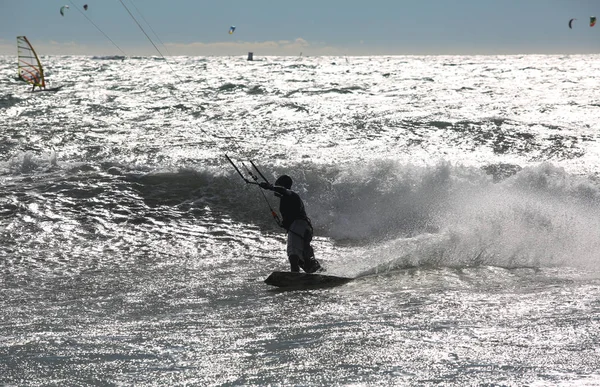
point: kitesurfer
(298, 225)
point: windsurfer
(298, 225)
(36, 81)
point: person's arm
(276, 188)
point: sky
(310, 27)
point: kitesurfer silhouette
(298, 225)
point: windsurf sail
(30, 67)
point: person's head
(284, 181)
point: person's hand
(265, 185)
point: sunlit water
(462, 193)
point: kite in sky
(231, 29)
(592, 21)
(62, 9)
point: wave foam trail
(541, 216)
(400, 216)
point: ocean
(462, 194)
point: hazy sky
(313, 27)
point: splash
(28, 162)
(401, 216)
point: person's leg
(294, 248)
(294, 263)
(299, 249)
(310, 264)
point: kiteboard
(289, 280)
